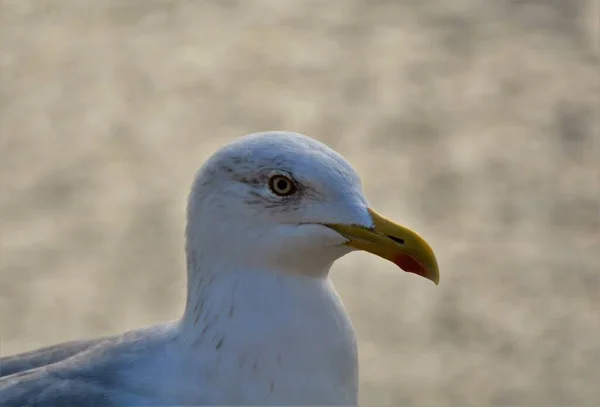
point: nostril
(396, 239)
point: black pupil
(282, 184)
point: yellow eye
(281, 185)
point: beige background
(473, 121)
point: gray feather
(45, 387)
(45, 356)
(82, 373)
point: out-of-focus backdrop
(473, 121)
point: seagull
(268, 214)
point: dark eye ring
(282, 185)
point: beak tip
(434, 274)
(411, 265)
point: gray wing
(45, 356)
(94, 373)
(43, 387)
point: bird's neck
(217, 279)
(268, 332)
(231, 288)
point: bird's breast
(293, 353)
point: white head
(283, 201)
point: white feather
(263, 324)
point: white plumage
(268, 215)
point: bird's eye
(281, 185)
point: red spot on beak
(409, 264)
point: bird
(267, 216)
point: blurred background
(475, 122)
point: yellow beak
(393, 242)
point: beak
(393, 242)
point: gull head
(282, 201)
